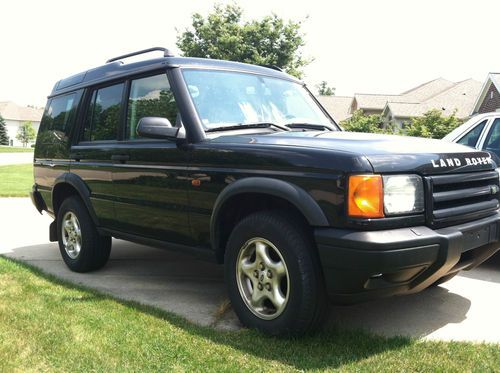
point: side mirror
(157, 128)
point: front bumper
(362, 265)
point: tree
(26, 133)
(325, 90)
(223, 35)
(4, 138)
(359, 122)
(432, 124)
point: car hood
(386, 153)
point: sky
(358, 46)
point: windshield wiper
(248, 125)
(308, 126)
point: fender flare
(273, 187)
(81, 188)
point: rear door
(92, 156)
(150, 177)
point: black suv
(239, 163)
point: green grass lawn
(49, 325)
(16, 180)
(15, 149)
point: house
(15, 115)
(489, 97)
(456, 98)
(442, 94)
(338, 106)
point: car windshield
(229, 99)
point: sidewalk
(15, 158)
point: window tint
(60, 114)
(470, 139)
(103, 114)
(150, 97)
(55, 127)
(492, 142)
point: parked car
(240, 164)
(481, 132)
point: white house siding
(12, 128)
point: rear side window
(55, 129)
(103, 114)
(149, 97)
(60, 114)
(470, 139)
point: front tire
(274, 279)
(82, 248)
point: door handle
(120, 157)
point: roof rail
(274, 67)
(166, 53)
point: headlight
(403, 194)
(376, 196)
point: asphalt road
(466, 308)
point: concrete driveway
(15, 158)
(466, 308)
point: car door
(92, 155)
(492, 141)
(150, 175)
(474, 135)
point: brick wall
(489, 103)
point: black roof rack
(274, 67)
(166, 53)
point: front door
(150, 176)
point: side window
(492, 142)
(60, 114)
(103, 114)
(55, 127)
(470, 139)
(149, 97)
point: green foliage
(16, 180)
(432, 124)
(223, 35)
(26, 133)
(359, 122)
(325, 90)
(4, 138)
(164, 107)
(50, 325)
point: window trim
(86, 98)
(126, 98)
(473, 128)
(89, 91)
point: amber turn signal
(365, 196)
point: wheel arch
(69, 184)
(276, 192)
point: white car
(481, 132)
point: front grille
(460, 198)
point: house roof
(439, 93)
(337, 106)
(493, 78)
(12, 111)
(427, 90)
(367, 101)
(460, 97)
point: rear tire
(273, 275)
(83, 249)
